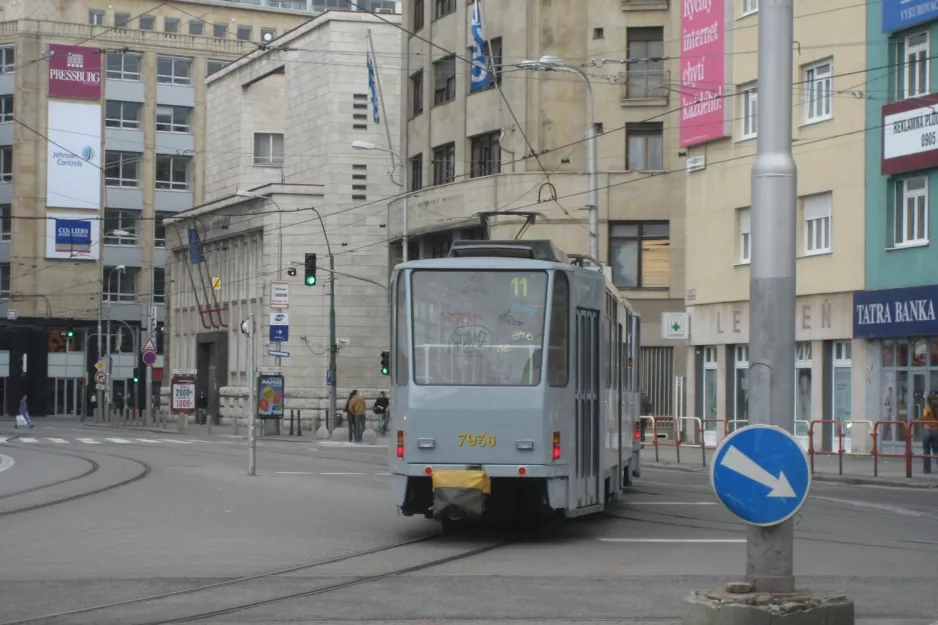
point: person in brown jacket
(357, 408)
(930, 433)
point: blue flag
(480, 74)
(195, 250)
(373, 87)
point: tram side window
(558, 346)
(401, 368)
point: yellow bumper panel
(475, 480)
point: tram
(514, 372)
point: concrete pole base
(340, 434)
(739, 605)
(322, 433)
(182, 422)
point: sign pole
(252, 399)
(769, 550)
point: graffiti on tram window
(470, 341)
(521, 335)
(460, 318)
(502, 349)
(507, 319)
(522, 309)
(474, 282)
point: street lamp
(555, 64)
(367, 145)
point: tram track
(145, 471)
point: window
(5, 280)
(159, 285)
(159, 229)
(7, 59)
(818, 82)
(6, 163)
(170, 25)
(416, 94)
(122, 169)
(911, 212)
(646, 78)
(745, 236)
(172, 172)
(96, 18)
(750, 6)
(173, 119)
(6, 222)
(709, 396)
(418, 15)
(268, 149)
(6, 109)
(120, 285)
(122, 20)
(640, 254)
(212, 66)
(444, 80)
(147, 22)
(220, 31)
(416, 172)
(115, 219)
(196, 27)
(443, 7)
(559, 340)
(817, 223)
(741, 383)
(486, 154)
(644, 148)
(401, 367)
(599, 33)
(803, 381)
(749, 117)
(173, 70)
(444, 163)
(268, 34)
(123, 66)
(913, 81)
(245, 33)
(122, 114)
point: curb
(852, 480)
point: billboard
(703, 71)
(73, 236)
(74, 72)
(899, 14)
(910, 136)
(73, 156)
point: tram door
(587, 408)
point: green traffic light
(70, 334)
(310, 280)
(384, 371)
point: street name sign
(761, 474)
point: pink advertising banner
(703, 71)
(74, 72)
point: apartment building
(895, 316)
(719, 135)
(468, 149)
(283, 180)
(102, 135)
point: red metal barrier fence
(677, 437)
(812, 452)
(907, 453)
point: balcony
(645, 87)
(644, 5)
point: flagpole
(384, 113)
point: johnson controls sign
(73, 149)
(74, 72)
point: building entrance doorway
(67, 397)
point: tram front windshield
(478, 328)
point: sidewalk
(857, 469)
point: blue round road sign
(149, 358)
(761, 474)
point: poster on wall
(703, 71)
(73, 156)
(75, 237)
(74, 72)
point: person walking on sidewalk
(381, 411)
(930, 433)
(349, 420)
(24, 410)
(357, 408)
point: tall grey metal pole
(99, 395)
(333, 348)
(108, 389)
(592, 198)
(252, 401)
(769, 551)
(404, 242)
(151, 333)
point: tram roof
(484, 262)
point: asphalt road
(185, 515)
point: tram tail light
(556, 450)
(400, 443)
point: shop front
(901, 331)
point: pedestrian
(24, 410)
(202, 408)
(357, 408)
(349, 421)
(930, 433)
(381, 411)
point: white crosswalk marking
(60, 441)
(89, 441)
(122, 441)
(3, 439)
(28, 440)
(173, 440)
(147, 440)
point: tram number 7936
(476, 440)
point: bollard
(299, 423)
(291, 422)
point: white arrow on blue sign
(761, 475)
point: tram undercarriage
(472, 497)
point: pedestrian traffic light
(136, 375)
(385, 363)
(70, 332)
(310, 270)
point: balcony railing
(645, 85)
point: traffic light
(136, 375)
(310, 279)
(385, 363)
(70, 332)
(291, 271)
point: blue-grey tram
(514, 374)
